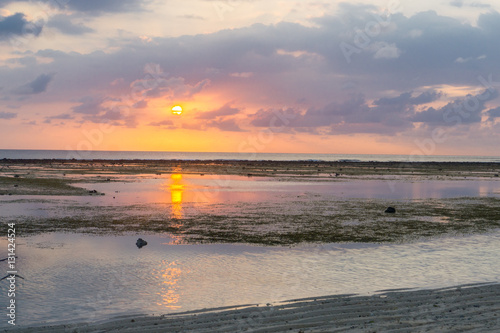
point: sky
(305, 76)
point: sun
(177, 110)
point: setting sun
(177, 110)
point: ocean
(161, 155)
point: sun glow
(177, 110)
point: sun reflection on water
(176, 193)
(168, 275)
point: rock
(390, 210)
(141, 242)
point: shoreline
(472, 307)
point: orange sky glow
(301, 77)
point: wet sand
(457, 309)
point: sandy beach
(468, 308)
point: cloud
(386, 115)
(162, 123)
(227, 125)
(352, 116)
(192, 17)
(288, 66)
(63, 24)
(37, 86)
(8, 115)
(114, 117)
(17, 25)
(98, 109)
(142, 104)
(244, 75)
(89, 105)
(159, 84)
(407, 99)
(225, 110)
(461, 3)
(387, 51)
(493, 113)
(63, 116)
(467, 110)
(172, 88)
(108, 6)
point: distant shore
(455, 309)
(266, 167)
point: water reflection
(168, 275)
(176, 193)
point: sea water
(158, 155)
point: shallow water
(92, 277)
(195, 191)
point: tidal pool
(198, 191)
(72, 277)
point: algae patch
(324, 221)
(38, 186)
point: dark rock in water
(141, 242)
(390, 210)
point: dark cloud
(17, 25)
(461, 3)
(386, 116)
(64, 24)
(37, 86)
(93, 6)
(493, 113)
(225, 110)
(354, 115)
(97, 109)
(466, 110)
(407, 99)
(8, 115)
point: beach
(472, 308)
(229, 242)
